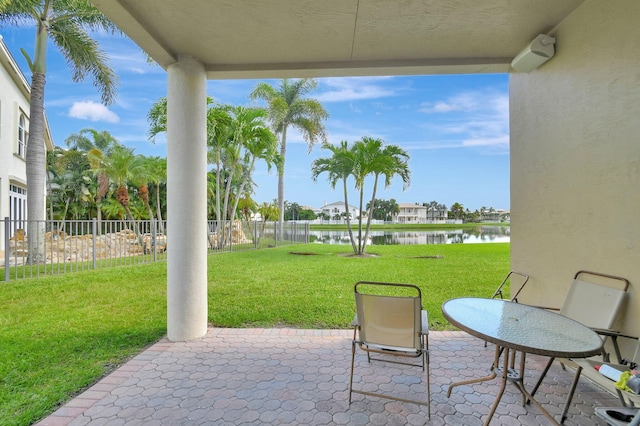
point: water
(481, 234)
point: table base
(508, 373)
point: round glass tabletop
(522, 327)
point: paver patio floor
(300, 377)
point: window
(23, 136)
(17, 203)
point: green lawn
(60, 334)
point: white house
(411, 213)
(335, 210)
(15, 94)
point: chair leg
(427, 361)
(544, 373)
(572, 390)
(353, 356)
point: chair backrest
(595, 305)
(389, 320)
(515, 291)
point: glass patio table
(514, 327)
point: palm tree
(268, 212)
(240, 141)
(338, 167)
(457, 210)
(287, 106)
(124, 167)
(373, 159)
(253, 141)
(65, 22)
(98, 146)
(157, 175)
(68, 182)
(237, 137)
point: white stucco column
(186, 200)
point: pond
(481, 234)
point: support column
(186, 200)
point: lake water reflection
(481, 234)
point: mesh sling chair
(594, 300)
(389, 328)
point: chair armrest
(612, 333)
(354, 323)
(425, 322)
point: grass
(60, 334)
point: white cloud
(474, 119)
(92, 111)
(354, 88)
(460, 102)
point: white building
(15, 93)
(415, 213)
(411, 213)
(335, 210)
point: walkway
(300, 377)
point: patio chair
(508, 279)
(594, 300)
(514, 298)
(391, 326)
(588, 369)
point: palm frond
(84, 57)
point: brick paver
(300, 377)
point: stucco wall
(12, 167)
(575, 157)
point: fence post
(7, 256)
(276, 232)
(154, 236)
(94, 224)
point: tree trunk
(360, 241)
(159, 208)
(36, 156)
(283, 153)
(373, 199)
(36, 171)
(346, 206)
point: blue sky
(455, 128)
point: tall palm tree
(239, 142)
(254, 141)
(218, 136)
(66, 23)
(287, 106)
(338, 167)
(376, 160)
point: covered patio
(575, 159)
(575, 174)
(301, 377)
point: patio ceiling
(321, 38)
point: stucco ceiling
(299, 38)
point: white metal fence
(75, 245)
